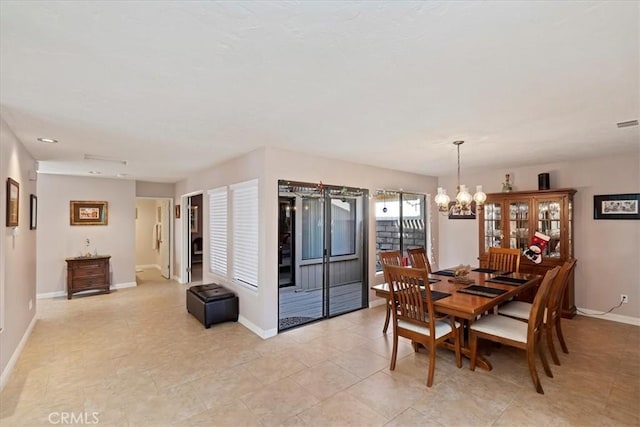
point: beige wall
(154, 189)
(146, 220)
(608, 251)
(58, 240)
(17, 254)
(268, 165)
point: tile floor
(135, 357)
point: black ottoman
(212, 303)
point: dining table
(472, 296)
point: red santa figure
(539, 242)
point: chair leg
(458, 332)
(545, 363)
(552, 349)
(531, 361)
(473, 348)
(386, 318)
(394, 353)
(432, 363)
(563, 344)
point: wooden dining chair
(414, 317)
(418, 259)
(504, 259)
(389, 258)
(516, 333)
(553, 313)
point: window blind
(244, 207)
(218, 231)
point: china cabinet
(509, 220)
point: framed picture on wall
(462, 214)
(88, 213)
(13, 202)
(616, 206)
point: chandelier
(463, 202)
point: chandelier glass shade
(464, 199)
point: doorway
(325, 274)
(153, 235)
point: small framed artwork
(616, 206)
(13, 202)
(462, 214)
(88, 213)
(33, 212)
(177, 209)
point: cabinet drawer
(88, 282)
(92, 270)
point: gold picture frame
(88, 212)
(13, 202)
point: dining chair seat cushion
(442, 328)
(502, 326)
(517, 309)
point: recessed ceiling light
(627, 124)
(95, 172)
(48, 140)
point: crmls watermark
(82, 418)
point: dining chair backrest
(418, 259)
(540, 301)
(409, 298)
(554, 306)
(389, 258)
(505, 259)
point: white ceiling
(175, 87)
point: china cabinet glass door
(549, 223)
(492, 225)
(519, 224)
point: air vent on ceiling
(104, 159)
(627, 123)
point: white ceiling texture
(173, 87)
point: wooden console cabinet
(87, 273)
(509, 220)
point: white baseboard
(609, 316)
(148, 267)
(256, 330)
(376, 302)
(124, 285)
(4, 378)
(58, 294)
(177, 279)
(55, 294)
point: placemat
(436, 295)
(485, 270)
(482, 291)
(512, 281)
(430, 282)
(449, 273)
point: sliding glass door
(327, 252)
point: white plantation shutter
(218, 231)
(244, 207)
